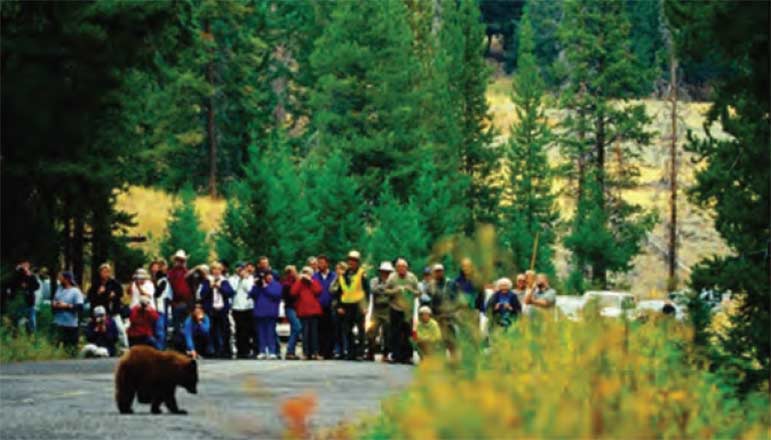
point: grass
(592, 379)
(152, 208)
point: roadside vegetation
(597, 378)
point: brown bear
(153, 376)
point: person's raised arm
(296, 287)
(316, 287)
(226, 289)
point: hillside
(648, 278)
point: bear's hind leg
(155, 408)
(124, 398)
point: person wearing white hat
(142, 285)
(181, 292)
(378, 313)
(428, 334)
(101, 335)
(354, 290)
(444, 299)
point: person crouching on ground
(266, 296)
(101, 335)
(504, 305)
(307, 291)
(197, 332)
(142, 320)
(428, 333)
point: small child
(429, 336)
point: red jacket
(179, 286)
(307, 294)
(142, 321)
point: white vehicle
(570, 306)
(282, 324)
(612, 304)
(657, 305)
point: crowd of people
(340, 313)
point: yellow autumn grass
(152, 208)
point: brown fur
(153, 376)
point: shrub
(598, 378)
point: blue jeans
(266, 334)
(31, 319)
(295, 328)
(160, 332)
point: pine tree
(602, 76)
(398, 231)
(733, 174)
(337, 204)
(364, 102)
(462, 36)
(545, 18)
(183, 231)
(532, 215)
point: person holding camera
(541, 297)
(354, 290)
(504, 305)
(307, 291)
(266, 297)
(107, 293)
(216, 294)
(243, 314)
(101, 335)
(402, 289)
(379, 306)
(197, 331)
(295, 326)
(67, 303)
(24, 284)
(327, 324)
(142, 318)
(181, 292)
(162, 300)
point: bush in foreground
(598, 378)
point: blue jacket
(473, 298)
(503, 317)
(266, 299)
(325, 298)
(207, 295)
(106, 339)
(192, 328)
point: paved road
(236, 399)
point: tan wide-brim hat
(180, 255)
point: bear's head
(188, 377)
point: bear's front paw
(155, 410)
(181, 412)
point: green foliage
(461, 37)
(398, 231)
(731, 180)
(17, 345)
(603, 75)
(183, 231)
(336, 204)
(364, 102)
(545, 17)
(532, 212)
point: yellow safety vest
(355, 292)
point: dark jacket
(105, 338)
(207, 295)
(266, 299)
(110, 299)
(307, 293)
(473, 298)
(501, 316)
(286, 286)
(25, 285)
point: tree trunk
(673, 174)
(78, 246)
(599, 270)
(210, 127)
(100, 240)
